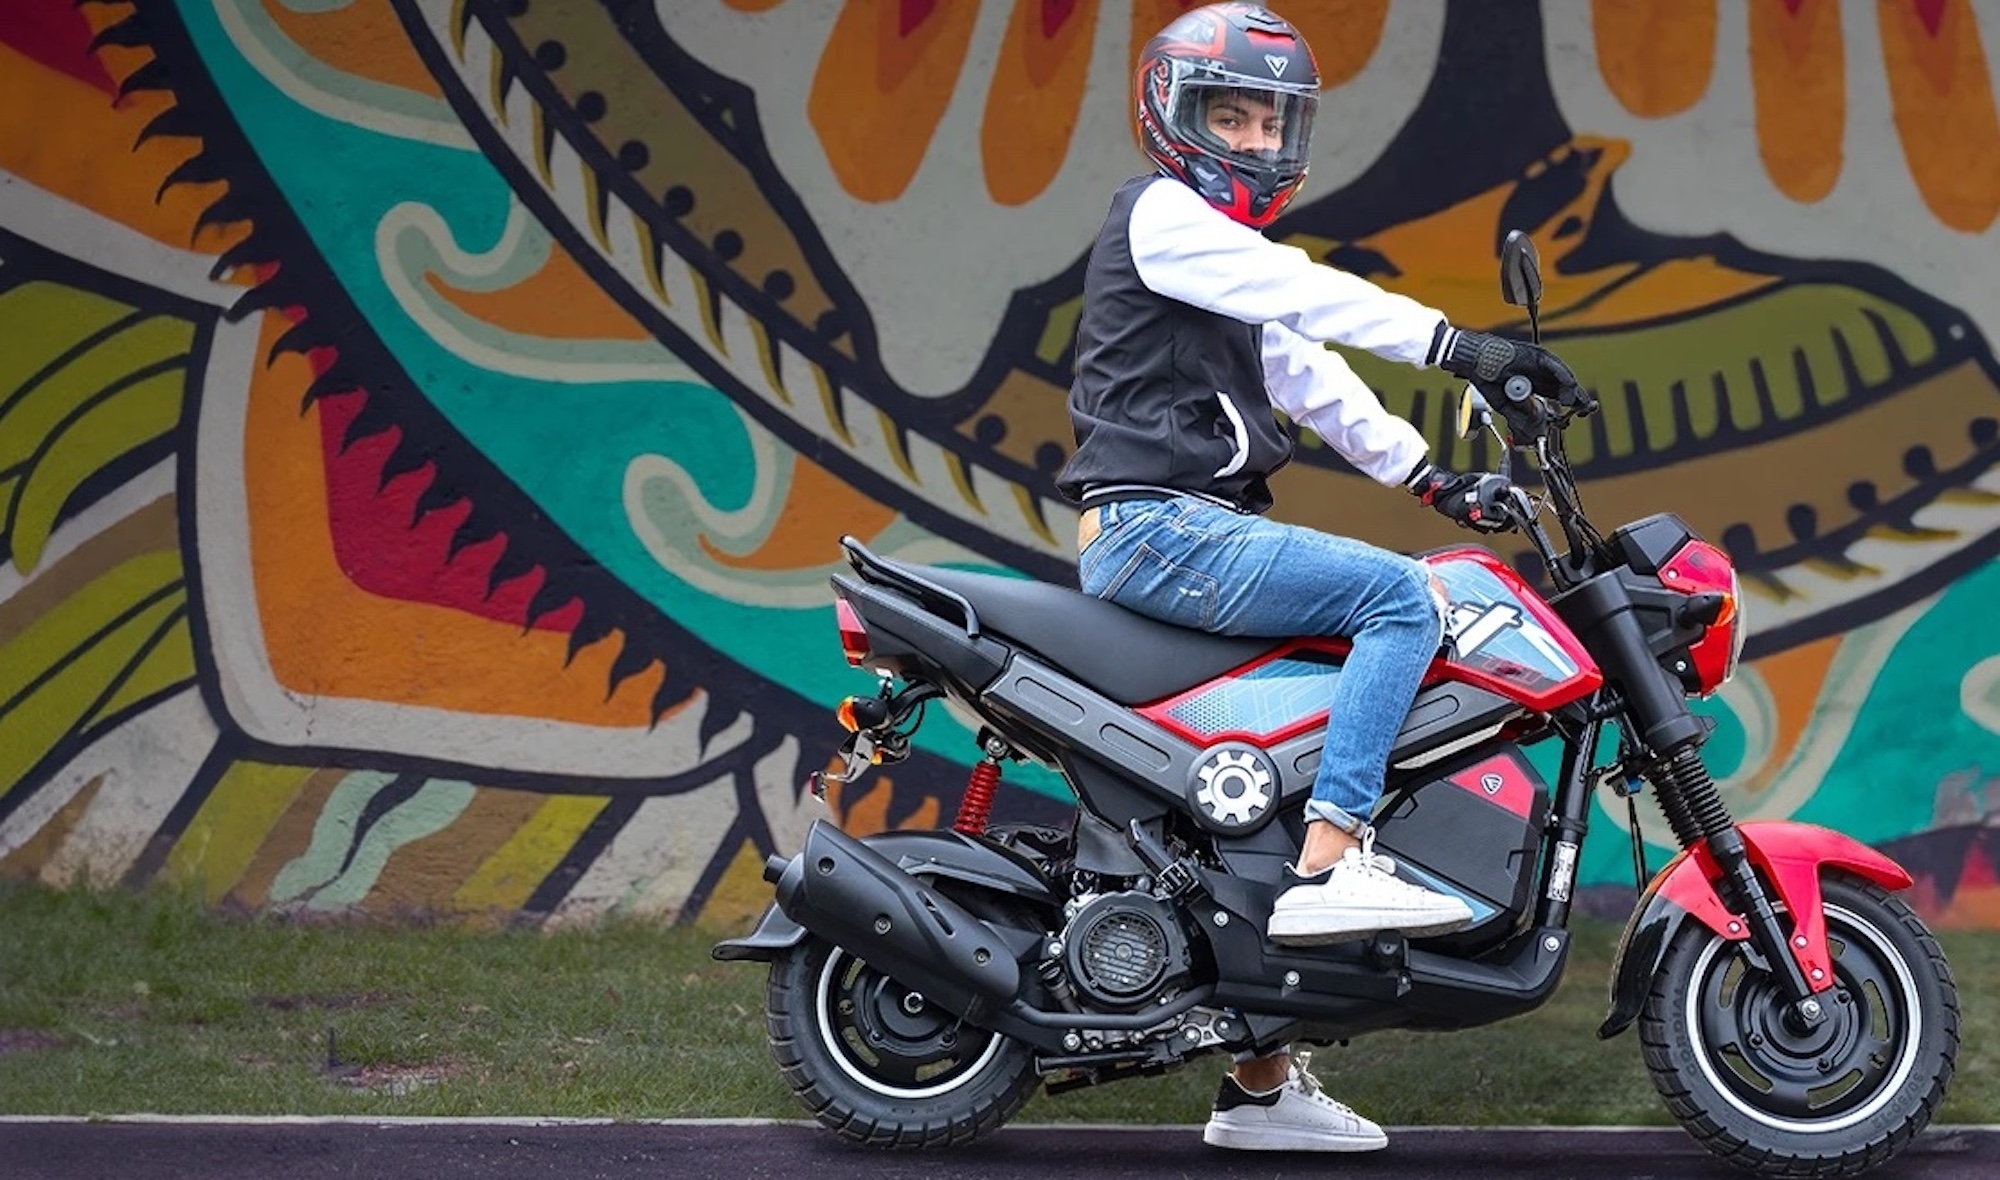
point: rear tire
(881, 1066)
(1832, 1100)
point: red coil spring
(978, 801)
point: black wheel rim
(1815, 1078)
(892, 1040)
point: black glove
(1491, 360)
(1477, 502)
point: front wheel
(881, 1065)
(1780, 1098)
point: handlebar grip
(1518, 388)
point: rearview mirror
(1472, 412)
(1520, 270)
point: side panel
(1472, 830)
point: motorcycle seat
(1128, 657)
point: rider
(1194, 328)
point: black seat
(1132, 659)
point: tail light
(853, 636)
(1702, 569)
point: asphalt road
(320, 1150)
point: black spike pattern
(129, 33)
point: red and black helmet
(1244, 51)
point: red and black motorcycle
(1797, 1017)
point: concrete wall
(425, 426)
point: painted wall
(425, 426)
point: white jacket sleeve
(1317, 388)
(1186, 249)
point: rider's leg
(1190, 562)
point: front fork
(1728, 878)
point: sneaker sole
(1298, 928)
(1270, 1139)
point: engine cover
(1124, 950)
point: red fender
(1790, 856)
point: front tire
(881, 1066)
(1835, 1099)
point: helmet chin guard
(1220, 63)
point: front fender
(1790, 857)
(925, 854)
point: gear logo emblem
(1235, 788)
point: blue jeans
(1199, 565)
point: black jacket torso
(1166, 395)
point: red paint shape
(1056, 14)
(1976, 874)
(55, 34)
(382, 552)
(1500, 781)
(912, 13)
(1931, 12)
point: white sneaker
(1360, 896)
(1297, 1116)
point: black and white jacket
(1194, 327)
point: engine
(1123, 951)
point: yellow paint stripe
(961, 478)
(594, 204)
(497, 83)
(229, 830)
(509, 877)
(892, 437)
(543, 138)
(653, 261)
(710, 309)
(1032, 513)
(767, 354)
(455, 22)
(831, 401)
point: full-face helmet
(1202, 75)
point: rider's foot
(1359, 895)
(1297, 1116)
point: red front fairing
(1503, 638)
(1791, 856)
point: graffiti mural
(425, 426)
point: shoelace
(1368, 858)
(1308, 1084)
(1301, 1060)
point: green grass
(115, 1003)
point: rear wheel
(880, 1064)
(1776, 1096)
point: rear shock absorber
(977, 803)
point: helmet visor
(1245, 120)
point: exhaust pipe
(849, 894)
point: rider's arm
(1185, 249)
(1315, 386)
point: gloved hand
(1491, 360)
(1470, 501)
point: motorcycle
(1796, 1016)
